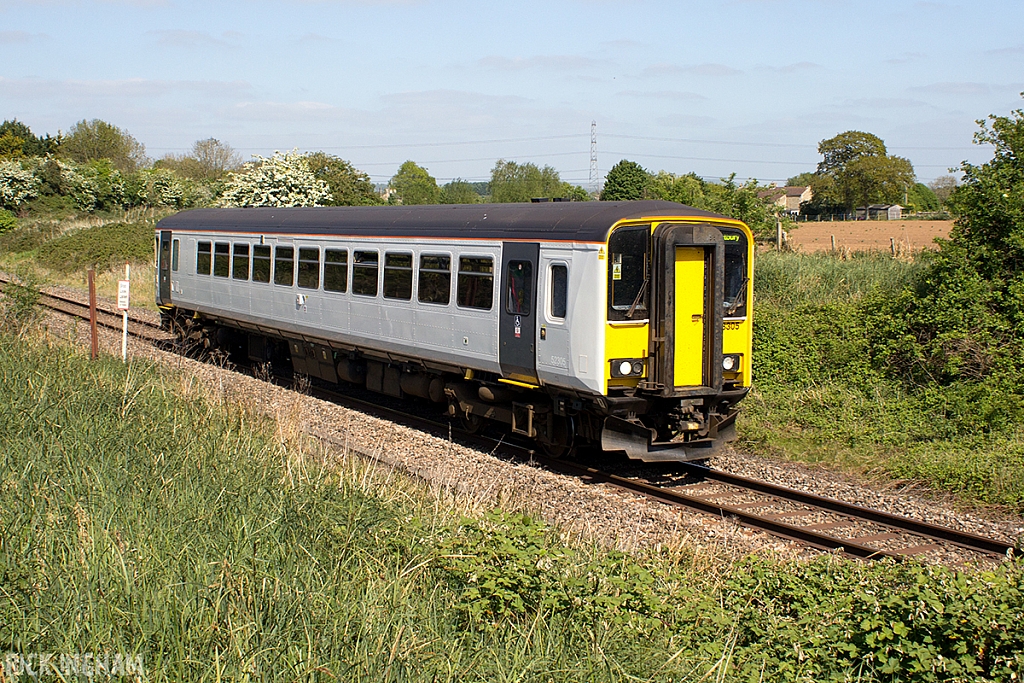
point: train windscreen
(735, 301)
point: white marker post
(123, 287)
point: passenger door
(164, 268)
(517, 312)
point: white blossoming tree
(284, 179)
(16, 185)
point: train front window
(628, 273)
(735, 301)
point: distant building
(789, 198)
(880, 212)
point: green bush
(102, 247)
(7, 221)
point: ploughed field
(868, 235)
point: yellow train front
(677, 334)
(622, 325)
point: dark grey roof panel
(579, 221)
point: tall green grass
(138, 516)
(820, 396)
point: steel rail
(906, 524)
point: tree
(575, 193)
(856, 171)
(459, 191)
(803, 179)
(281, 180)
(96, 139)
(512, 182)
(962, 324)
(943, 187)
(19, 141)
(349, 186)
(626, 181)
(743, 202)
(17, 185)
(414, 185)
(921, 198)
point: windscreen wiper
(636, 301)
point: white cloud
(543, 62)
(708, 69)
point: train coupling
(638, 442)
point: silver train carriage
(625, 325)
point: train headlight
(627, 367)
(731, 362)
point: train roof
(569, 221)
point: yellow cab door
(690, 317)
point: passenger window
(398, 276)
(435, 279)
(559, 290)
(175, 248)
(336, 270)
(309, 267)
(221, 259)
(203, 260)
(520, 284)
(240, 265)
(284, 266)
(261, 263)
(476, 282)
(364, 272)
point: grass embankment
(60, 251)
(138, 517)
(821, 397)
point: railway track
(106, 316)
(815, 521)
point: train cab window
(260, 263)
(221, 259)
(476, 282)
(398, 276)
(240, 264)
(435, 279)
(284, 266)
(309, 267)
(175, 249)
(628, 254)
(559, 290)
(203, 260)
(364, 272)
(736, 279)
(336, 270)
(520, 283)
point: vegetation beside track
(141, 517)
(912, 367)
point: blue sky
(744, 86)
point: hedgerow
(100, 247)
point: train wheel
(470, 423)
(564, 442)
